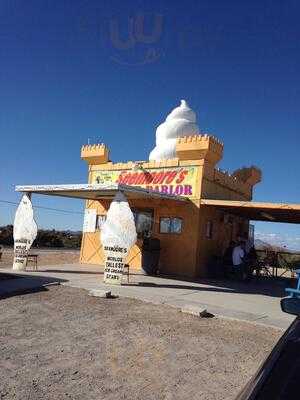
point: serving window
(170, 225)
(143, 219)
(100, 219)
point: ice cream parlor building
(179, 198)
(179, 177)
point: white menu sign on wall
(89, 221)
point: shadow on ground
(69, 271)
(16, 284)
(272, 287)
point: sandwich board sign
(114, 264)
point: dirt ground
(63, 344)
(45, 256)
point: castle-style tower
(95, 154)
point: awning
(97, 191)
(272, 212)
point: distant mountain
(262, 245)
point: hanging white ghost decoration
(180, 122)
(25, 231)
(118, 235)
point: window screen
(143, 222)
(170, 225)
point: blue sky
(64, 79)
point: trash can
(150, 255)
(215, 268)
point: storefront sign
(175, 181)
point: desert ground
(62, 343)
(45, 256)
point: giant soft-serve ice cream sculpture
(25, 231)
(180, 122)
(118, 235)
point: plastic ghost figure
(118, 235)
(180, 122)
(25, 231)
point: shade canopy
(256, 211)
(97, 191)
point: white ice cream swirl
(25, 231)
(119, 228)
(180, 122)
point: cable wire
(45, 208)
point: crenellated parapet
(199, 147)
(249, 175)
(95, 154)
(223, 178)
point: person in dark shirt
(252, 261)
(227, 258)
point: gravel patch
(62, 343)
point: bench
(33, 258)
(126, 271)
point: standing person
(227, 258)
(238, 256)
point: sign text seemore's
(174, 181)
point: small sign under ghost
(21, 247)
(114, 264)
